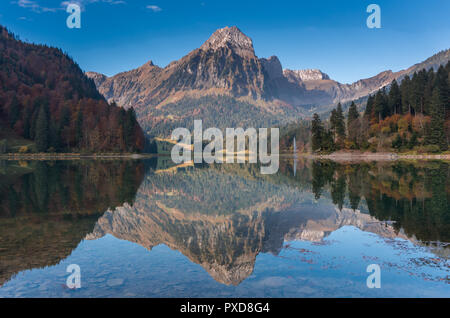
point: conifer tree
(353, 122)
(42, 130)
(79, 129)
(436, 132)
(14, 111)
(405, 91)
(338, 125)
(380, 105)
(317, 131)
(442, 82)
(352, 113)
(369, 108)
(395, 99)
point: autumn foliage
(46, 97)
(412, 115)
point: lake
(147, 228)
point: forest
(411, 116)
(45, 98)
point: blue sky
(118, 35)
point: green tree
(79, 129)
(129, 128)
(381, 108)
(436, 131)
(368, 113)
(405, 92)
(14, 111)
(338, 189)
(317, 131)
(353, 123)
(442, 82)
(42, 130)
(395, 99)
(337, 123)
(418, 91)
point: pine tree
(14, 111)
(338, 189)
(368, 113)
(353, 123)
(442, 82)
(405, 91)
(395, 99)
(352, 113)
(328, 141)
(418, 91)
(334, 123)
(42, 131)
(338, 126)
(428, 91)
(129, 127)
(79, 130)
(436, 131)
(27, 123)
(381, 108)
(316, 133)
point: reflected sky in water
(223, 231)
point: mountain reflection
(219, 216)
(223, 216)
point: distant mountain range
(226, 66)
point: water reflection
(47, 208)
(220, 217)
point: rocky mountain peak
(149, 63)
(273, 67)
(306, 75)
(230, 37)
(98, 78)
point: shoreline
(71, 156)
(382, 156)
(337, 156)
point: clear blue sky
(118, 35)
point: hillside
(46, 98)
(413, 116)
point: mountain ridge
(226, 64)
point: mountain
(49, 105)
(224, 70)
(225, 66)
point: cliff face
(226, 63)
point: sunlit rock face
(230, 37)
(306, 75)
(226, 65)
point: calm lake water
(148, 229)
